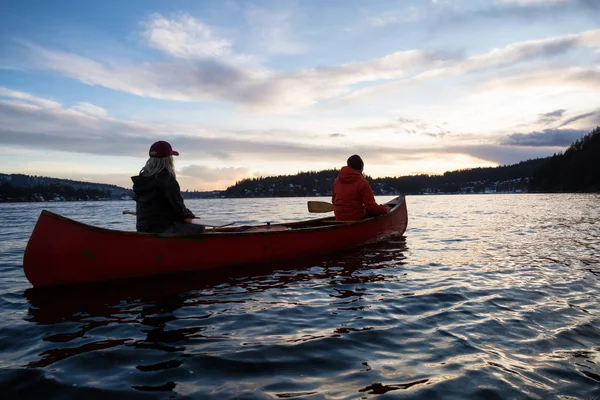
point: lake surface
(488, 296)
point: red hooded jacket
(352, 196)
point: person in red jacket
(352, 196)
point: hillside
(20, 187)
(511, 178)
(577, 170)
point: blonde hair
(154, 165)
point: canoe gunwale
(227, 231)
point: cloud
(205, 177)
(553, 116)
(90, 109)
(577, 77)
(496, 59)
(534, 2)
(450, 16)
(273, 31)
(186, 81)
(28, 98)
(69, 130)
(410, 14)
(20, 151)
(383, 19)
(66, 129)
(202, 66)
(336, 135)
(406, 120)
(557, 117)
(410, 126)
(212, 174)
(516, 53)
(545, 138)
(211, 79)
(503, 154)
(579, 117)
(184, 37)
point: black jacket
(158, 202)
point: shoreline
(287, 197)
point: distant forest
(575, 170)
(20, 187)
(512, 178)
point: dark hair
(355, 162)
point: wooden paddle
(319, 207)
(198, 221)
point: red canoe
(61, 251)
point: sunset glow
(244, 89)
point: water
(489, 296)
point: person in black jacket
(159, 205)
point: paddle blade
(319, 207)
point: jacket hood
(143, 184)
(146, 184)
(349, 175)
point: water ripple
(486, 297)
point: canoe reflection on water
(150, 303)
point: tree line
(21, 187)
(53, 192)
(575, 170)
(318, 183)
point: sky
(248, 88)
